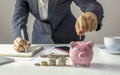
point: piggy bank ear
(72, 44)
(90, 44)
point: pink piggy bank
(81, 53)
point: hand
(86, 23)
(20, 44)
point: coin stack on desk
(52, 59)
(44, 63)
(62, 61)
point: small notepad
(9, 51)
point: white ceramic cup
(112, 43)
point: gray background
(110, 27)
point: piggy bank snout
(82, 55)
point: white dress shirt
(43, 9)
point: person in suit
(55, 21)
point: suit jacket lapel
(51, 8)
(34, 6)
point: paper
(7, 50)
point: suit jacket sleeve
(91, 6)
(20, 17)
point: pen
(80, 37)
(23, 35)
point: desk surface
(102, 64)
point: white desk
(102, 64)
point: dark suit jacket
(60, 25)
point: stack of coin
(62, 61)
(52, 61)
(44, 63)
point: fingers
(92, 24)
(82, 24)
(19, 40)
(27, 44)
(95, 24)
(77, 28)
(91, 21)
(20, 44)
(19, 48)
(86, 23)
